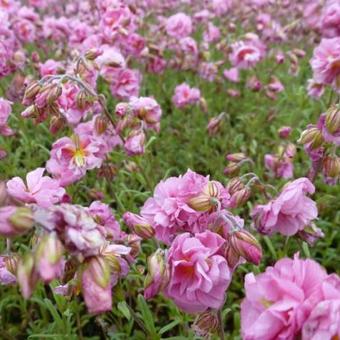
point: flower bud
(56, 124)
(30, 112)
(311, 135)
(83, 100)
(99, 269)
(15, 221)
(26, 276)
(236, 157)
(48, 257)
(158, 276)
(203, 105)
(8, 268)
(235, 184)
(246, 245)
(231, 169)
(31, 90)
(121, 109)
(333, 119)
(206, 323)
(54, 92)
(215, 124)
(93, 53)
(207, 200)
(139, 225)
(240, 197)
(311, 234)
(100, 124)
(134, 144)
(331, 166)
(284, 132)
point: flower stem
(220, 323)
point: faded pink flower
(290, 212)
(199, 275)
(39, 189)
(178, 26)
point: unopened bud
(56, 124)
(311, 234)
(54, 92)
(311, 135)
(133, 241)
(333, 119)
(236, 157)
(246, 245)
(284, 132)
(203, 105)
(100, 124)
(207, 200)
(99, 269)
(240, 197)
(215, 124)
(235, 184)
(93, 53)
(139, 225)
(26, 276)
(157, 276)
(231, 169)
(11, 262)
(22, 220)
(83, 99)
(32, 90)
(206, 323)
(331, 166)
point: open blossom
(198, 274)
(290, 212)
(178, 25)
(126, 83)
(246, 54)
(185, 95)
(330, 19)
(278, 301)
(39, 189)
(182, 204)
(103, 215)
(72, 157)
(148, 110)
(326, 62)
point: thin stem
(220, 323)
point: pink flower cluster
(185, 95)
(293, 299)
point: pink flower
(185, 95)
(39, 189)
(232, 75)
(281, 167)
(134, 144)
(5, 111)
(148, 110)
(71, 158)
(290, 212)
(126, 83)
(15, 221)
(246, 54)
(326, 61)
(168, 210)
(178, 26)
(276, 303)
(199, 275)
(50, 67)
(330, 19)
(103, 215)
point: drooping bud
(133, 241)
(215, 124)
(311, 234)
(311, 135)
(93, 53)
(207, 200)
(331, 166)
(48, 257)
(31, 91)
(54, 92)
(15, 221)
(139, 225)
(232, 169)
(56, 124)
(240, 197)
(235, 184)
(246, 245)
(206, 323)
(284, 132)
(26, 275)
(96, 287)
(158, 276)
(203, 105)
(8, 268)
(83, 100)
(333, 119)
(100, 124)
(236, 157)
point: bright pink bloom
(134, 144)
(50, 67)
(179, 26)
(39, 189)
(71, 158)
(290, 212)
(326, 62)
(330, 20)
(232, 75)
(199, 275)
(276, 303)
(185, 95)
(126, 83)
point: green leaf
(124, 309)
(147, 316)
(168, 327)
